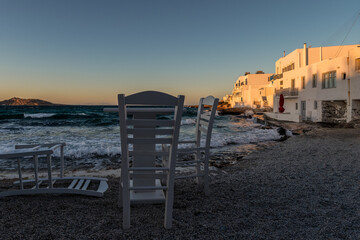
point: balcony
(287, 92)
(275, 76)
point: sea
(92, 136)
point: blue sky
(86, 52)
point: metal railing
(287, 92)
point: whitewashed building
(319, 84)
(252, 90)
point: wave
(39, 115)
(188, 121)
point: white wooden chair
(201, 145)
(141, 138)
(53, 183)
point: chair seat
(147, 196)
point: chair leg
(197, 167)
(120, 199)
(169, 202)
(206, 174)
(126, 205)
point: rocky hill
(25, 102)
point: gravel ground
(304, 188)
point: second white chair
(201, 144)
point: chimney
(305, 54)
(284, 53)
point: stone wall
(355, 111)
(334, 112)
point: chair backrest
(205, 119)
(143, 130)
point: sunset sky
(86, 52)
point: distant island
(25, 102)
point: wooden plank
(150, 122)
(72, 184)
(205, 117)
(149, 175)
(203, 123)
(103, 186)
(184, 142)
(148, 169)
(24, 154)
(151, 98)
(86, 184)
(148, 153)
(22, 146)
(202, 129)
(79, 184)
(149, 141)
(151, 131)
(141, 110)
(38, 183)
(148, 188)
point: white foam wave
(39, 115)
(96, 145)
(188, 121)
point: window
(314, 80)
(292, 83)
(281, 87)
(329, 80)
(296, 106)
(281, 82)
(245, 81)
(344, 76)
(303, 82)
(315, 104)
(357, 65)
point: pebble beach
(306, 187)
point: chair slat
(79, 184)
(86, 184)
(72, 184)
(150, 175)
(151, 123)
(202, 129)
(148, 188)
(148, 169)
(185, 142)
(103, 186)
(205, 117)
(157, 131)
(151, 98)
(149, 140)
(203, 123)
(148, 153)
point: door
(303, 110)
